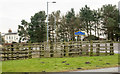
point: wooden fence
(58, 49)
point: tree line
(103, 21)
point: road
(113, 69)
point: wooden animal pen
(58, 49)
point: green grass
(56, 65)
(0, 67)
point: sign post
(76, 38)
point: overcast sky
(13, 11)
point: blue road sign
(79, 33)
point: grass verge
(60, 64)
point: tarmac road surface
(113, 69)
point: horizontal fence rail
(57, 49)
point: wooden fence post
(17, 51)
(67, 49)
(81, 48)
(47, 49)
(98, 49)
(56, 50)
(7, 51)
(87, 47)
(30, 52)
(4, 52)
(26, 52)
(64, 49)
(11, 51)
(91, 48)
(106, 48)
(40, 51)
(111, 49)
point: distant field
(60, 64)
